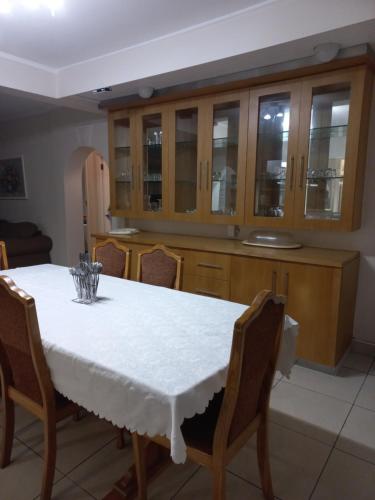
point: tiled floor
(322, 442)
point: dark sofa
(25, 244)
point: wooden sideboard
(320, 284)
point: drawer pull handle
(207, 292)
(286, 284)
(301, 177)
(291, 172)
(274, 277)
(210, 266)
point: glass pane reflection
(327, 149)
(272, 154)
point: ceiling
(48, 61)
(87, 29)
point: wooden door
(186, 140)
(152, 162)
(96, 198)
(224, 164)
(251, 275)
(122, 163)
(313, 295)
(332, 143)
(272, 154)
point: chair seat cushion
(199, 430)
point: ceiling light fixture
(102, 90)
(7, 6)
(267, 116)
(326, 52)
(145, 92)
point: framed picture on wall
(12, 179)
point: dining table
(142, 357)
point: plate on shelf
(124, 230)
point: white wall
(47, 144)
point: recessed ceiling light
(102, 90)
(280, 115)
(267, 116)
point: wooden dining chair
(3, 256)
(25, 378)
(114, 257)
(239, 410)
(159, 266)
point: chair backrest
(159, 266)
(115, 258)
(3, 256)
(255, 348)
(22, 362)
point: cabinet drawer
(210, 287)
(210, 265)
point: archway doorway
(96, 198)
(86, 183)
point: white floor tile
(358, 434)
(67, 490)
(22, 479)
(315, 415)
(346, 478)
(344, 386)
(200, 488)
(76, 441)
(296, 462)
(357, 361)
(98, 474)
(171, 481)
(366, 396)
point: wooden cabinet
(186, 163)
(320, 284)
(152, 161)
(289, 154)
(306, 152)
(122, 162)
(224, 158)
(320, 298)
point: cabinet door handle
(291, 172)
(200, 175)
(286, 284)
(207, 292)
(302, 172)
(132, 167)
(210, 266)
(274, 281)
(206, 175)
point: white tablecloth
(144, 357)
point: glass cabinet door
(122, 165)
(225, 168)
(152, 161)
(329, 157)
(185, 173)
(326, 153)
(271, 155)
